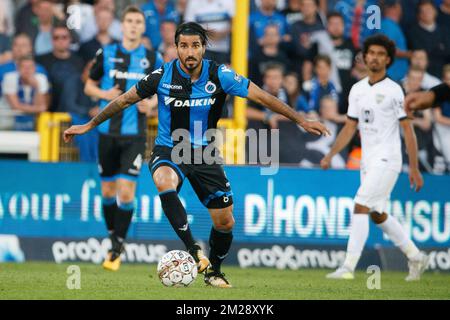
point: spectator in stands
(442, 118)
(329, 112)
(292, 86)
(5, 48)
(42, 33)
(413, 81)
(426, 34)
(180, 7)
(267, 14)
(422, 121)
(103, 18)
(60, 64)
(321, 85)
(327, 6)
(155, 12)
(293, 12)
(356, 17)
(419, 60)
(170, 54)
(344, 55)
(21, 47)
(81, 109)
(6, 30)
(272, 83)
(320, 146)
(168, 29)
(409, 15)
(26, 19)
(359, 70)
(390, 26)
(7, 9)
(304, 48)
(215, 15)
(296, 99)
(268, 52)
(36, 20)
(89, 28)
(443, 18)
(26, 91)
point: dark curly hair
(380, 40)
(192, 28)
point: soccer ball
(177, 268)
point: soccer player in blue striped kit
(117, 68)
(191, 91)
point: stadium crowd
(305, 52)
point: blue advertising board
(295, 206)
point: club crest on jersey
(379, 98)
(145, 63)
(210, 87)
(368, 115)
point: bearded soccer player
(376, 108)
(191, 94)
(117, 68)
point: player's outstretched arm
(259, 96)
(343, 138)
(117, 105)
(427, 99)
(415, 178)
(418, 101)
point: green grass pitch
(39, 280)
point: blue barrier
(295, 206)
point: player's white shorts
(376, 187)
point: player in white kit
(376, 108)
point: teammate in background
(117, 68)
(191, 94)
(376, 107)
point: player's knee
(109, 190)
(225, 225)
(126, 196)
(165, 182)
(378, 218)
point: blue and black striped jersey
(193, 106)
(115, 65)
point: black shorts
(120, 157)
(208, 180)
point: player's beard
(375, 67)
(191, 64)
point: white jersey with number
(378, 108)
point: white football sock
(359, 231)
(398, 236)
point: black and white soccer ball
(177, 268)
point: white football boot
(341, 273)
(417, 267)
